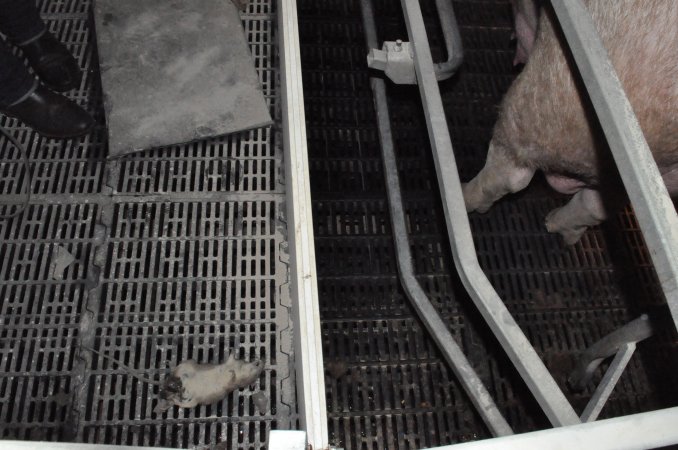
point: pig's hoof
(473, 199)
(571, 237)
(554, 224)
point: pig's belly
(569, 185)
(565, 185)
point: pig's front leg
(500, 176)
(585, 209)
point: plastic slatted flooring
(388, 387)
(180, 253)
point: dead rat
(191, 384)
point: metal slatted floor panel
(387, 385)
(180, 253)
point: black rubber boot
(53, 63)
(51, 115)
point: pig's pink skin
(546, 123)
(565, 185)
(526, 17)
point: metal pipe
(648, 194)
(455, 49)
(453, 354)
(634, 331)
(510, 336)
(609, 381)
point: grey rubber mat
(175, 72)
(389, 388)
(179, 253)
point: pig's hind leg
(585, 209)
(501, 175)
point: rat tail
(131, 371)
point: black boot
(51, 115)
(53, 63)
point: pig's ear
(231, 357)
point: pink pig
(546, 122)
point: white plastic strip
(286, 440)
(639, 431)
(31, 445)
(303, 282)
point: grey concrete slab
(175, 71)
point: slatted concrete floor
(179, 253)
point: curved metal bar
(453, 354)
(632, 332)
(510, 336)
(455, 50)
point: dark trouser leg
(20, 21)
(15, 81)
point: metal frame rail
(453, 354)
(648, 194)
(526, 360)
(654, 209)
